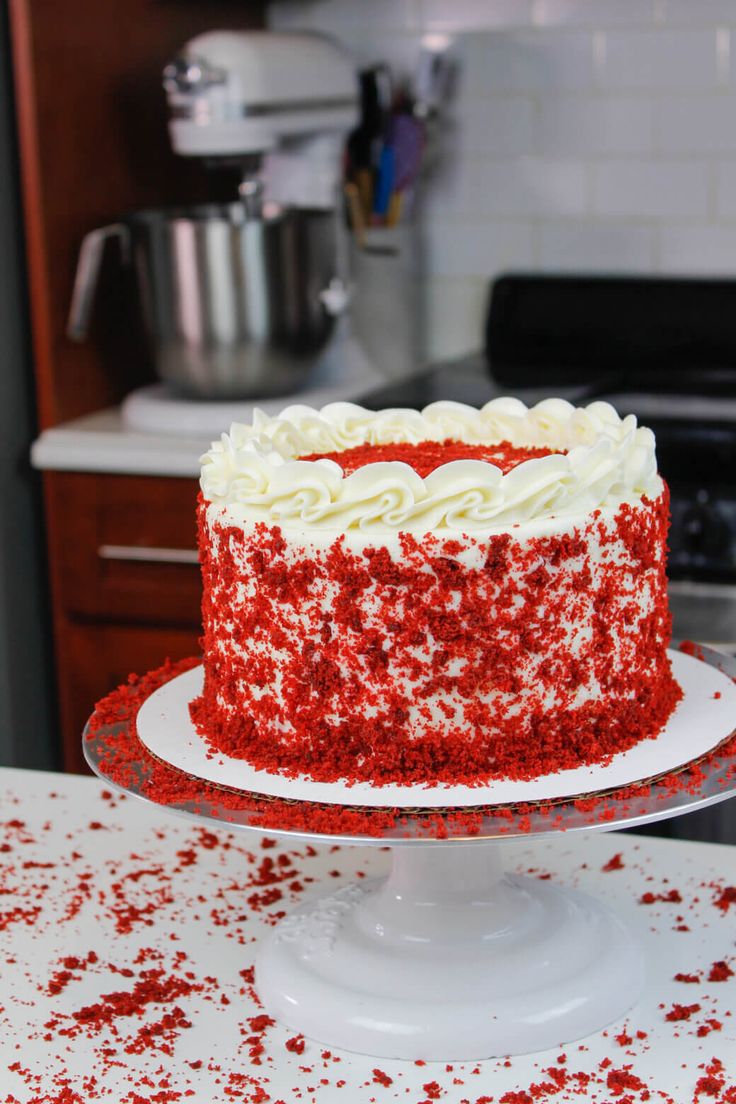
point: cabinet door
(124, 548)
(94, 659)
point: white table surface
(84, 871)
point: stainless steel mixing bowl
(234, 306)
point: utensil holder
(387, 304)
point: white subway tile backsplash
(650, 189)
(400, 51)
(700, 13)
(593, 13)
(695, 124)
(472, 15)
(527, 61)
(596, 247)
(340, 17)
(660, 58)
(723, 56)
(450, 190)
(726, 190)
(483, 188)
(703, 250)
(502, 126)
(455, 310)
(594, 135)
(478, 248)
(528, 186)
(594, 125)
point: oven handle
(139, 554)
(691, 588)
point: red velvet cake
(445, 595)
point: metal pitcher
(234, 306)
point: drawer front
(124, 547)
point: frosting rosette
(255, 472)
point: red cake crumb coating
(427, 456)
(332, 664)
(126, 762)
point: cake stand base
(449, 959)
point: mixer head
(236, 94)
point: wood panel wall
(93, 144)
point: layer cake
(448, 595)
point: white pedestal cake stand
(449, 958)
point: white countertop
(87, 874)
(102, 443)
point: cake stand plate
(701, 720)
(449, 958)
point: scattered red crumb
(708, 1086)
(706, 1028)
(295, 1044)
(671, 897)
(681, 1012)
(260, 1023)
(382, 1078)
(71, 966)
(614, 863)
(726, 898)
(153, 987)
(688, 979)
(720, 971)
(427, 456)
(620, 1080)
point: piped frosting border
(254, 473)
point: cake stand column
(449, 959)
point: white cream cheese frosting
(253, 473)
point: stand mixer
(280, 105)
(240, 300)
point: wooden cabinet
(125, 547)
(125, 583)
(93, 144)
